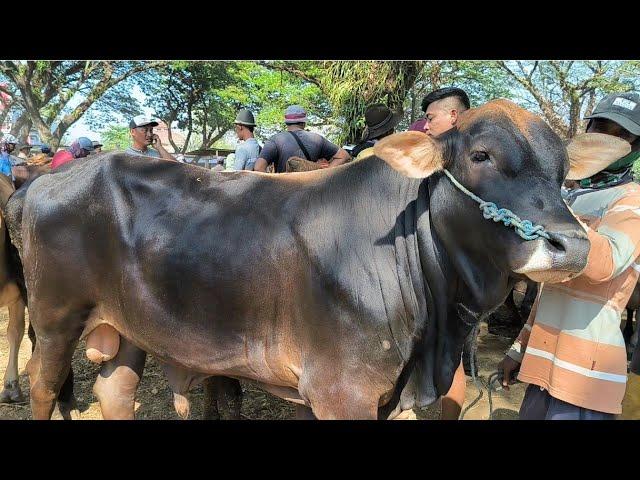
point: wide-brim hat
(590, 153)
(245, 117)
(379, 119)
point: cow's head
(508, 156)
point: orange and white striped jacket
(571, 344)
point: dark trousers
(539, 405)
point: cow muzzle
(560, 258)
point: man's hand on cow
(507, 367)
(323, 162)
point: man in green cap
(248, 151)
(571, 351)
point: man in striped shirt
(571, 351)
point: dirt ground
(154, 400)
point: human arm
(157, 144)
(341, 156)
(513, 357)
(268, 155)
(615, 243)
(337, 156)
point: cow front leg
(11, 392)
(343, 401)
(304, 413)
(222, 393)
(118, 382)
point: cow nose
(569, 250)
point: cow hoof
(12, 393)
(181, 404)
(406, 415)
(69, 410)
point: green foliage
(636, 170)
(353, 85)
(267, 91)
(116, 138)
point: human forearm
(261, 165)
(341, 156)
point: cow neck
(439, 333)
(404, 206)
(479, 285)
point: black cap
(445, 92)
(622, 108)
(245, 117)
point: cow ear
(589, 153)
(414, 154)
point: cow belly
(286, 393)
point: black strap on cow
(302, 147)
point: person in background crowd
(248, 151)
(297, 142)
(80, 148)
(380, 122)
(141, 129)
(25, 150)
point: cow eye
(479, 156)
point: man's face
(142, 135)
(97, 150)
(238, 129)
(439, 118)
(609, 127)
(83, 153)
(11, 147)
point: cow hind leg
(11, 392)
(67, 403)
(118, 382)
(633, 341)
(49, 367)
(627, 332)
(222, 394)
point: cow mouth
(558, 259)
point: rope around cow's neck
(524, 228)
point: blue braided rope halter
(524, 228)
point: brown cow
(10, 297)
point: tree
(350, 86)
(479, 79)
(204, 98)
(565, 91)
(116, 138)
(52, 96)
(189, 93)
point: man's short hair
(446, 92)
